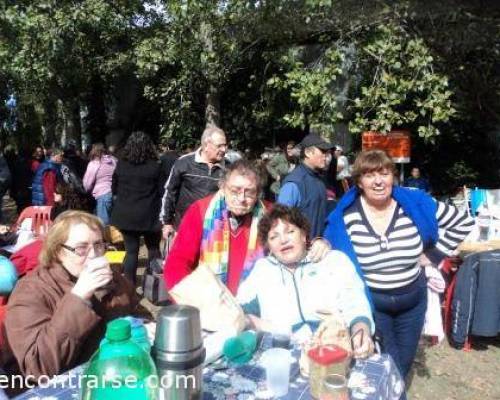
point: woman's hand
(93, 277)
(255, 323)
(319, 249)
(362, 343)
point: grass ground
(440, 372)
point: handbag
(219, 310)
(153, 284)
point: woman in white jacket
(287, 286)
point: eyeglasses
(248, 194)
(84, 250)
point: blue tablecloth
(376, 378)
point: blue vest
(312, 197)
(417, 205)
(37, 195)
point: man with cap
(304, 187)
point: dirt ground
(440, 372)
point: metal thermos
(179, 353)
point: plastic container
(277, 363)
(326, 360)
(120, 369)
(240, 349)
(334, 388)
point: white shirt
(330, 285)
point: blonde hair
(59, 231)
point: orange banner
(397, 144)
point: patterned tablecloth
(376, 378)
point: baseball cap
(317, 141)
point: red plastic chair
(40, 219)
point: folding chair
(40, 219)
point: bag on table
(219, 310)
(153, 284)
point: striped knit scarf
(214, 251)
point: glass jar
(326, 360)
(334, 388)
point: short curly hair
(292, 215)
(369, 161)
(139, 149)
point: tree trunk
(96, 119)
(49, 124)
(72, 123)
(212, 98)
(212, 106)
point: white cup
(277, 363)
(98, 262)
(101, 261)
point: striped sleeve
(454, 225)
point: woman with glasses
(57, 314)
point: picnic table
(375, 378)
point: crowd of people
(289, 235)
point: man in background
(416, 181)
(168, 158)
(304, 187)
(281, 165)
(193, 176)
(45, 180)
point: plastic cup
(483, 223)
(277, 363)
(281, 336)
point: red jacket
(26, 258)
(185, 253)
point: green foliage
(265, 69)
(310, 88)
(400, 86)
(53, 51)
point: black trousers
(132, 241)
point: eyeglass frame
(87, 250)
(248, 196)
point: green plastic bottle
(120, 369)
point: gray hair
(209, 131)
(245, 168)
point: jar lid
(327, 354)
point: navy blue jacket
(37, 195)
(476, 300)
(312, 197)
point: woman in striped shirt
(390, 233)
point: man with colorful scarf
(220, 231)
